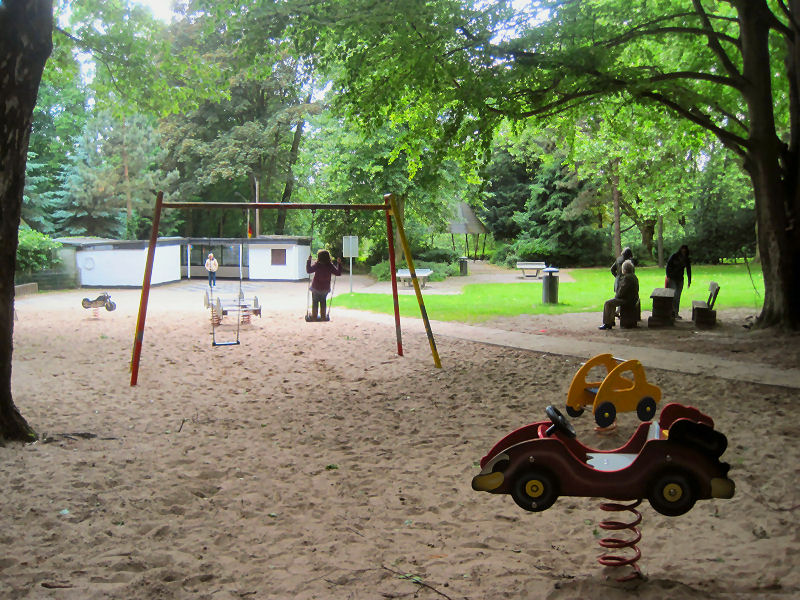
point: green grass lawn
(592, 287)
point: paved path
(669, 360)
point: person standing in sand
(211, 266)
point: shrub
(35, 251)
(440, 271)
(438, 255)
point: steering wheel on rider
(559, 423)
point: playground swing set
(389, 206)
(243, 308)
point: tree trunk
(26, 28)
(772, 167)
(660, 241)
(127, 182)
(289, 187)
(647, 227)
(616, 237)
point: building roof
(465, 221)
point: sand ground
(313, 462)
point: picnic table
(404, 275)
(536, 267)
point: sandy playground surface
(312, 462)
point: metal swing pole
(148, 275)
(390, 198)
(393, 271)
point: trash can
(550, 285)
(462, 266)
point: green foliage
(35, 251)
(547, 206)
(110, 181)
(440, 271)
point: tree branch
(96, 52)
(713, 42)
(736, 143)
(697, 76)
(634, 33)
(783, 28)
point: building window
(278, 257)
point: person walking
(211, 266)
(676, 265)
(627, 294)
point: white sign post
(350, 250)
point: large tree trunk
(773, 166)
(289, 187)
(616, 235)
(26, 28)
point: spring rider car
(673, 462)
(623, 389)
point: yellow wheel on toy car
(535, 491)
(534, 488)
(672, 492)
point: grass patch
(592, 287)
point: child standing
(322, 269)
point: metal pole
(188, 261)
(148, 275)
(272, 205)
(351, 273)
(393, 271)
(407, 251)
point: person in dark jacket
(676, 265)
(322, 269)
(627, 294)
(616, 268)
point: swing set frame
(389, 206)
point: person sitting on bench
(627, 295)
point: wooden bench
(404, 275)
(536, 267)
(662, 308)
(703, 313)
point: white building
(113, 263)
(117, 263)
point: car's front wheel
(535, 491)
(605, 415)
(672, 494)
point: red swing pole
(393, 271)
(148, 275)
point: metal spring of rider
(620, 559)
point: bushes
(441, 271)
(35, 251)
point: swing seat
(310, 319)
